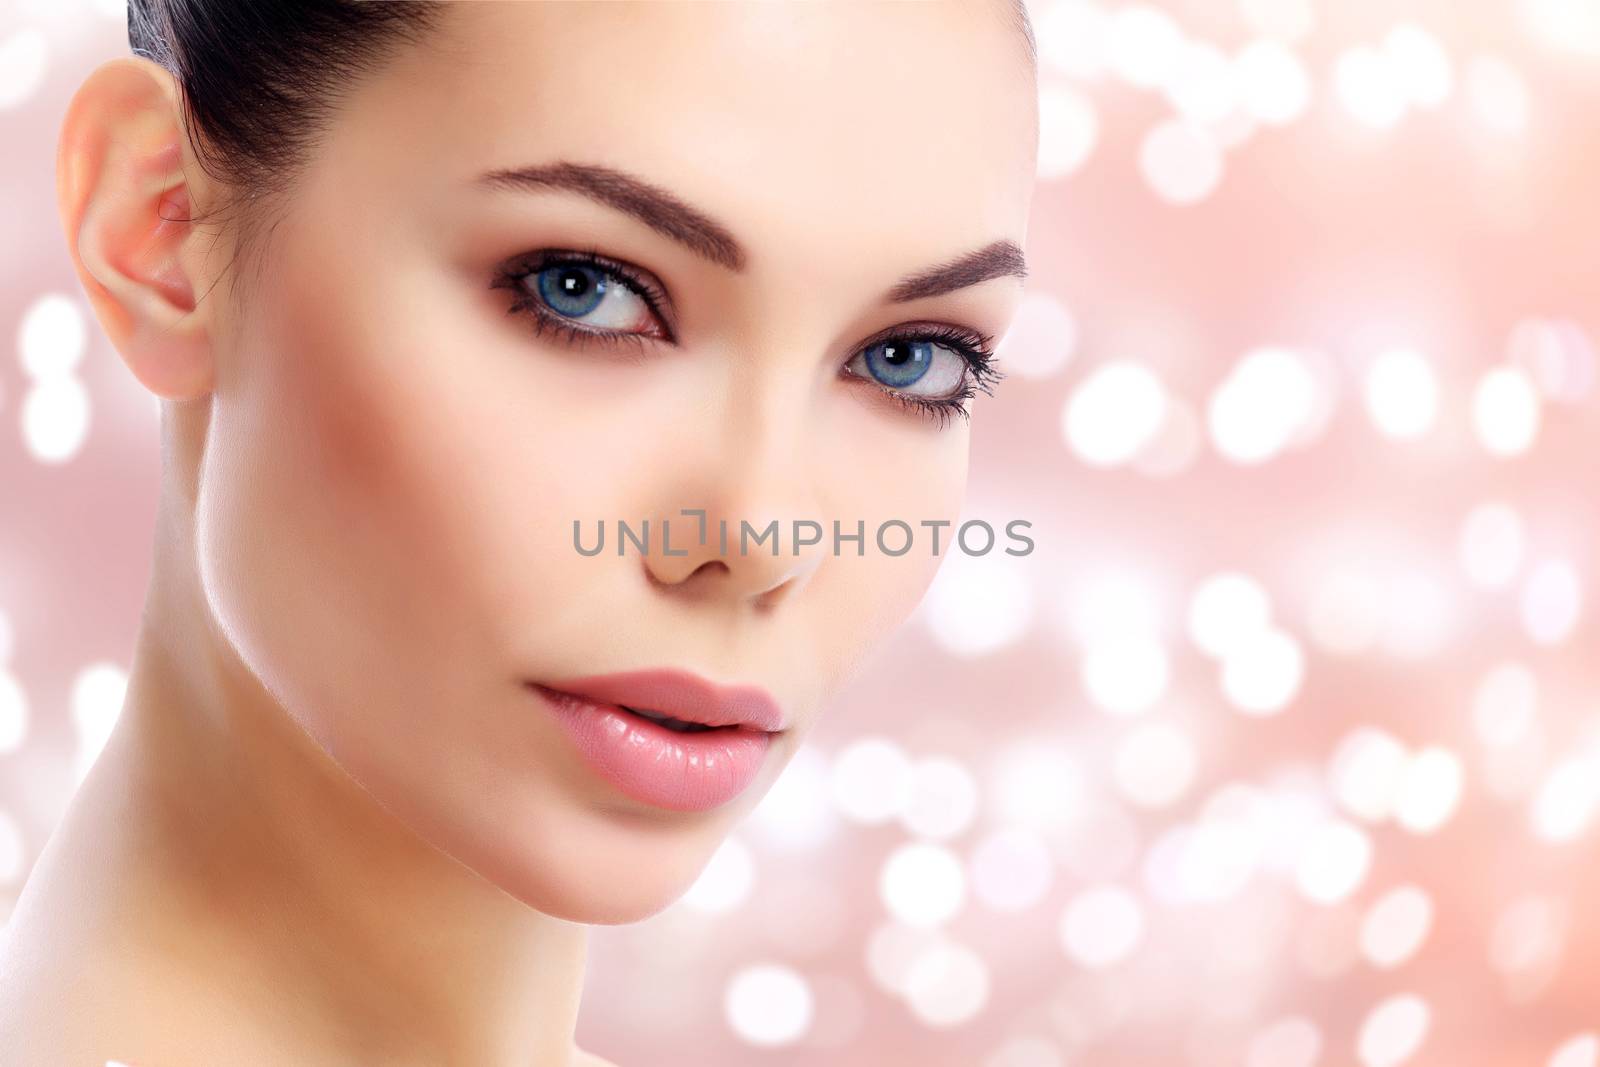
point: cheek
(860, 600)
(331, 538)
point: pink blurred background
(1283, 747)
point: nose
(756, 578)
(743, 526)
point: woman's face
(396, 460)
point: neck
(216, 844)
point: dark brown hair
(260, 78)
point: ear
(126, 185)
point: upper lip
(680, 694)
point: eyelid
(975, 348)
(972, 346)
(641, 282)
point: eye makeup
(556, 290)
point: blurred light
(1326, 945)
(725, 881)
(1551, 602)
(1072, 38)
(1114, 602)
(768, 1004)
(794, 813)
(1567, 801)
(1291, 1042)
(1266, 404)
(1334, 862)
(1580, 1051)
(1504, 705)
(1262, 673)
(1572, 25)
(1420, 63)
(98, 694)
(1036, 783)
(840, 1010)
(52, 337)
(977, 605)
(1396, 926)
(947, 984)
(1526, 941)
(55, 419)
(1491, 545)
(1231, 130)
(1402, 394)
(1025, 1052)
(5, 639)
(1181, 161)
(1273, 84)
(1366, 772)
(1101, 926)
(1512, 772)
(1143, 44)
(1369, 87)
(871, 780)
(1125, 675)
(1430, 792)
(922, 884)
(1286, 20)
(1069, 129)
(1200, 82)
(1393, 1031)
(1505, 411)
(893, 947)
(943, 799)
(1227, 608)
(13, 852)
(1042, 339)
(1215, 859)
(1418, 615)
(1557, 355)
(1498, 94)
(1175, 446)
(1011, 869)
(1113, 413)
(1154, 765)
(1346, 616)
(1284, 818)
(13, 713)
(1578, 366)
(23, 57)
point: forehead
(873, 116)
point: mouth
(679, 700)
(665, 758)
(682, 726)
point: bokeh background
(1283, 747)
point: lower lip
(651, 763)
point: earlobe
(124, 189)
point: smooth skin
(331, 825)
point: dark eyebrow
(1001, 259)
(670, 216)
(650, 204)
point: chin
(600, 868)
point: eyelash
(976, 349)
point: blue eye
(899, 363)
(572, 290)
(915, 366)
(593, 294)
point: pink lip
(652, 763)
(681, 695)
